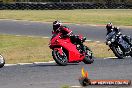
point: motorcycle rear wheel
(89, 56)
(60, 59)
(2, 61)
(118, 52)
(131, 53)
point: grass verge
(90, 16)
(19, 49)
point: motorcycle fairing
(59, 50)
(74, 54)
(124, 44)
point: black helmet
(56, 25)
(109, 26)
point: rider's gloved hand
(83, 39)
(70, 34)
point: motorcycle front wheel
(88, 56)
(2, 61)
(60, 59)
(118, 52)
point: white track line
(17, 35)
(88, 40)
(45, 37)
(76, 87)
(10, 64)
(115, 57)
(37, 63)
(30, 36)
(24, 63)
(43, 62)
(49, 37)
(97, 41)
(110, 57)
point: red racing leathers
(64, 30)
(68, 33)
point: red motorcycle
(64, 51)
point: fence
(63, 6)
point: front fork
(110, 47)
(60, 50)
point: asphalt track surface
(50, 75)
(95, 33)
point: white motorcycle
(2, 61)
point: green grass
(19, 49)
(65, 86)
(90, 16)
(24, 49)
(100, 50)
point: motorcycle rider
(111, 28)
(66, 32)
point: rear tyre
(2, 61)
(118, 52)
(60, 59)
(89, 56)
(131, 52)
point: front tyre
(118, 52)
(2, 61)
(88, 56)
(60, 59)
(131, 52)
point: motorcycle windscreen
(110, 36)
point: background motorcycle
(118, 45)
(2, 61)
(63, 51)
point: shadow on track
(54, 64)
(117, 58)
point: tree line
(96, 1)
